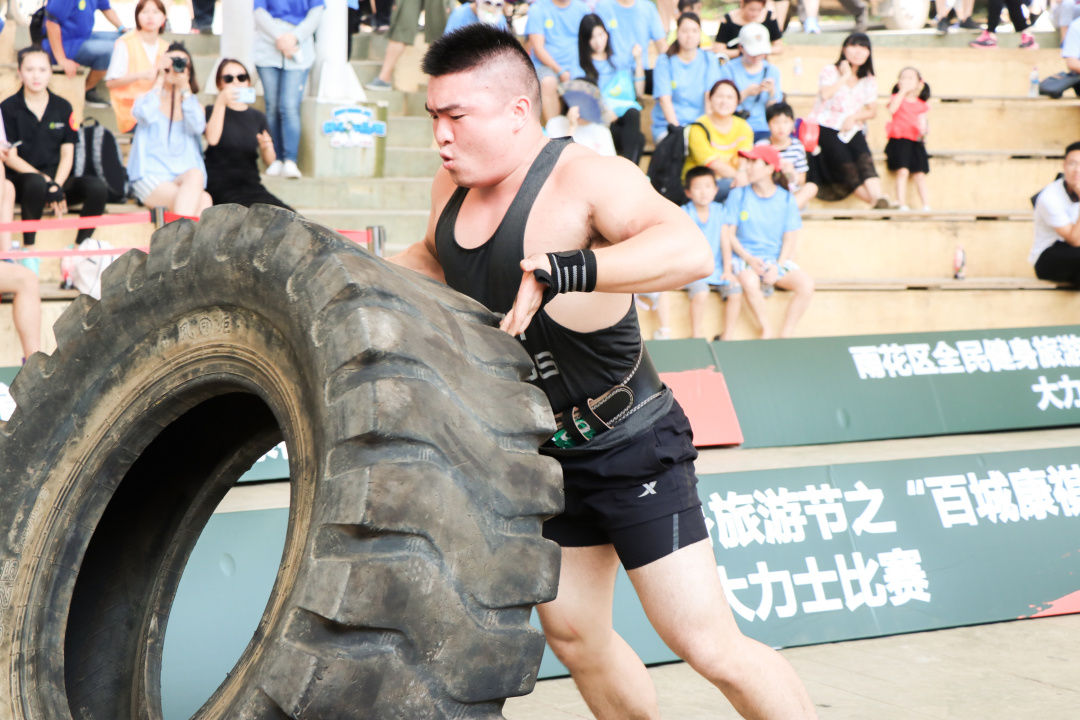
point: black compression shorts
(640, 497)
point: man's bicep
(627, 205)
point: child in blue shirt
(757, 79)
(700, 186)
(761, 224)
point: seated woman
(681, 78)
(847, 98)
(41, 124)
(17, 279)
(749, 11)
(619, 86)
(133, 67)
(761, 228)
(166, 165)
(717, 146)
(236, 137)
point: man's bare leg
(685, 603)
(610, 676)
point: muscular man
(504, 202)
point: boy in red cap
(761, 227)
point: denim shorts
(96, 50)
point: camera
(179, 64)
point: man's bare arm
(420, 256)
(1070, 234)
(654, 245)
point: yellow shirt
(704, 148)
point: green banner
(868, 387)
(821, 554)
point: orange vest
(123, 97)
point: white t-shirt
(118, 64)
(595, 136)
(1053, 209)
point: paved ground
(1020, 670)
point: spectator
(620, 86)
(681, 78)
(373, 13)
(43, 125)
(236, 137)
(962, 11)
(761, 227)
(1062, 14)
(793, 163)
(808, 14)
(1055, 252)
(708, 215)
(26, 306)
(757, 80)
(691, 6)
(134, 62)
(583, 118)
(166, 165)
(71, 41)
(16, 279)
(717, 143)
(847, 98)
(633, 24)
(988, 38)
(202, 19)
(1056, 85)
(284, 51)
(905, 152)
(467, 13)
(749, 11)
(552, 30)
(404, 20)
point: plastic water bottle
(797, 69)
(1033, 84)
(959, 261)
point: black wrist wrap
(54, 193)
(571, 271)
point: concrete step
(400, 102)
(411, 162)
(1037, 125)
(858, 312)
(968, 182)
(948, 70)
(389, 194)
(410, 131)
(403, 227)
(873, 249)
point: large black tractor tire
(413, 554)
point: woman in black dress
(236, 137)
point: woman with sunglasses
(236, 138)
(166, 165)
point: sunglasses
(242, 77)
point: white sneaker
(290, 170)
(274, 169)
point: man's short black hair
(685, 5)
(696, 172)
(476, 45)
(780, 108)
(1073, 147)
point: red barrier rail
(372, 237)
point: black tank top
(570, 366)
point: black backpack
(665, 167)
(97, 155)
(37, 26)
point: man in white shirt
(1055, 253)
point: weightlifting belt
(604, 412)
